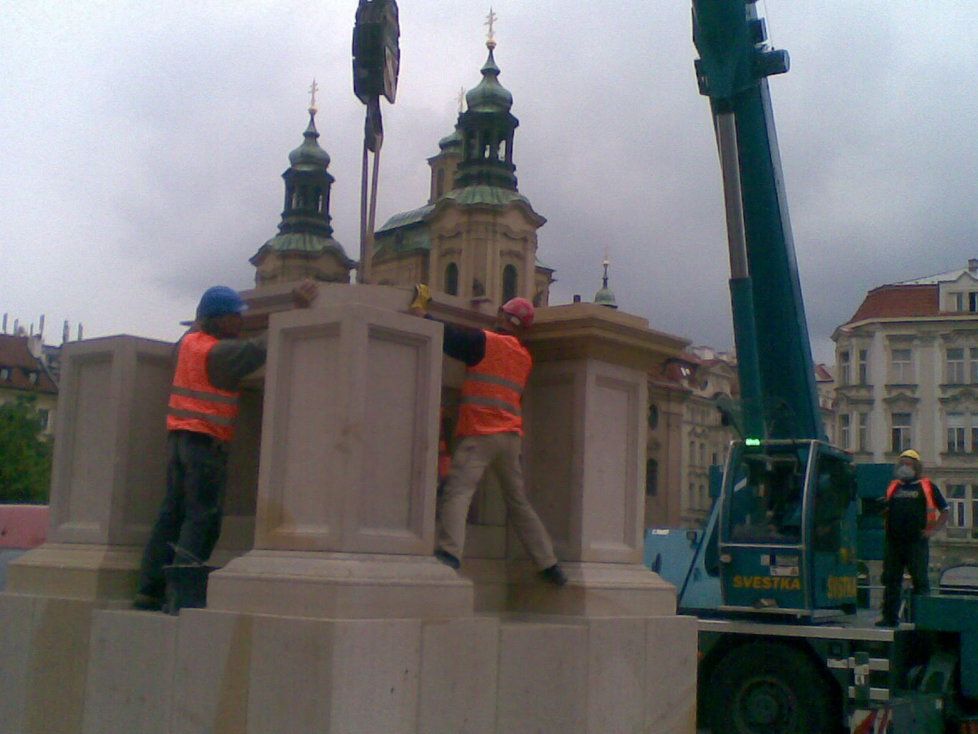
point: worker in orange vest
(490, 431)
(915, 510)
(211, 362)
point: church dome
(451, 142)
(489, 95)
(605, 297)
(309, 154)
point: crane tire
(769, 688)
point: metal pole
(363, 271)
(371, 219)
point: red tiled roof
(822, 373)
(895, 301)
(19, 364)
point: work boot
(447, 558)
(554, 574)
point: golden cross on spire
(312, 90)
(461, 99)
(490, 22)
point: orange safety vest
(493, 389)
(195, 404)
(933, 513)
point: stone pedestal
(345, 515)
(586, 410)
(109, 469)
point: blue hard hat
(219, 300)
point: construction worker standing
(490, 431)
(211, 362)
(915, 510)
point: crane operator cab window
(767, 499)
(835, 488)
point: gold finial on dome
(312, 102)
(490, 22)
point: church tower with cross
(304, 246)
(476, 238)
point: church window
(439, 183)
(509, 282)
(651, 478)
(451, 279)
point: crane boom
(776, 370)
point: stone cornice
(585, 330)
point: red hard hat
(521, 308)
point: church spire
(488, 127)
(605, 297)
(308, 182)
(304, 246)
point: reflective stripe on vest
(196, 404)
(933, 513)
(493, 389)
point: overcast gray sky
(142, 143)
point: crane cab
(787, 529)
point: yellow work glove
(422, 297)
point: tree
(25, 452)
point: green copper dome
(309, 154)
(489, 95)
(605, 297)
(451, 142)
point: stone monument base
(72, 669)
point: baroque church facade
(476, 238)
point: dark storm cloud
(143, 145)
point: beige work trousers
(475, 454)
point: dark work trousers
(190, 517)
(898, 555)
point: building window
(863, 441)
(4, 373)
(692, 452)
(844, 426)
(973, 301)
(862, 367)
(962, 505)
(651, 477)
(956, 302)
(955, 367)
(957, 505)
(844, 368)
(955, 433)
(44, 417)
(901, 367)
(509, 283)
(439, 183)
(900, 436)
(653, 416)
(451, 279)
